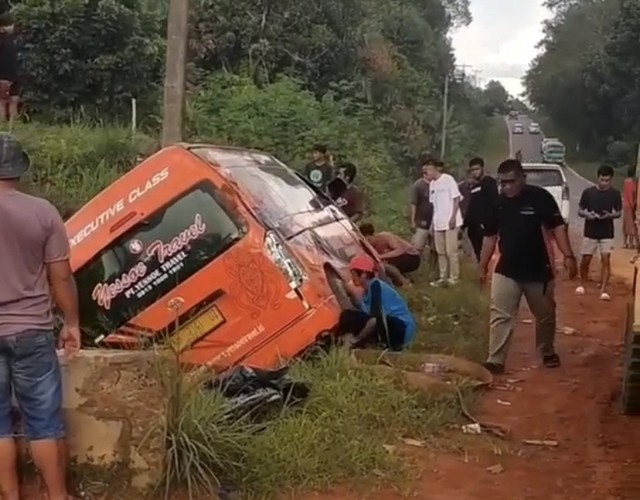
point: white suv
(550, 177)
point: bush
(71, 164)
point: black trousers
(389, 332)
(405, 263)
(475, 233)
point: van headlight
(281, 257)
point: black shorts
(392, 337)
(405, 263)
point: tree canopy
(387, 59)
(587, 76)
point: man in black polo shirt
(523, 220)
(483, 191)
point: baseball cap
(14, 162)
(362, 263)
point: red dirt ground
(598, 452)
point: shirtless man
(400, 256)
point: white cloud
(501, 41)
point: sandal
(551, 361)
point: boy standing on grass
(382, 318)
(34, 268)
(599, 206)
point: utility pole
(445, 118)
(445, 106)
(175, 69)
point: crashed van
(225, 255)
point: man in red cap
(382, 318)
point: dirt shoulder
(598, 450)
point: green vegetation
(351, 426)
(586, 78)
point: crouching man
(382, 319)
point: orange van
(226, 255)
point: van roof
(541, 166)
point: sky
(501, 41)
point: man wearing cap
(382, 318)
(34, 268)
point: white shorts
(589, 246)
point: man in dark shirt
(421, 208)
(519, 221)
(345, 194)
(599, 206)
(320, 170)
(483, 191)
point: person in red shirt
(629, 201)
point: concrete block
(114, 408)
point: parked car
(553, 151)
(225, 255)
(518, 128)
(552, 178)
(534, 128)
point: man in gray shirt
(421, 209)
(34, 265)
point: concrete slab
(114, 407)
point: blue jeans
(29, 365)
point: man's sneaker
(494, 368)
(438, 283)
(551, 361)
(452, 282)
(605, 296)
(580, 290)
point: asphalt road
(529, 144)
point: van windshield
(544, 178)
(145, 263)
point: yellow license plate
(195, 329)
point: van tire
(339, 289)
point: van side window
(144, 264)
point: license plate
(195, 329)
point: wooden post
(174, 83)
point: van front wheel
(339, 289)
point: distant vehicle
(553, 151)
(513, 114)
(534, 128)
(550, 177)
(546, 140)
(518, 128)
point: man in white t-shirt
(447, 220)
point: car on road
(552, 178)
(518, 128)
(546, 140)
(553, 151)
(534, 128)
(222, 255)
(513, 115)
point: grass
(495, 148)
(352, 419)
